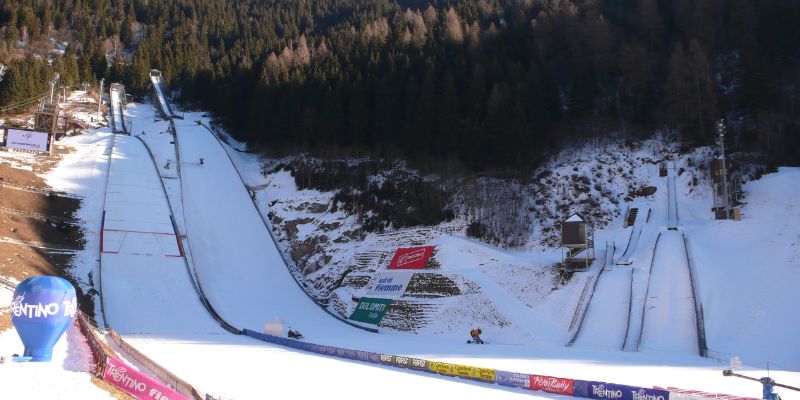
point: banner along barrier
(116, 372)
(186, 390)
(612, 391)
(550, 384)
(135, 383)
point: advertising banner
(390, 284)
(512, 379)
(690, 394)
(552, 384)
(411, 258)
(605, 391)
(649, 394)
(27, 140)
(611, 391)
(370, 310)
(464, 371)
(410, 362)
(135, 383)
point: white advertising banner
(390, 284)
(27, 140)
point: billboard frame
(5, 144)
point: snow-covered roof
(575, 218)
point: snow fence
(563, 386)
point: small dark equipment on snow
(294, 334)
(476, 336)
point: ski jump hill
(187, 265)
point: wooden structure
(577, 243)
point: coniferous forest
(489, 83)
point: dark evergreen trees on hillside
(491, 82)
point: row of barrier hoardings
(543, 383)
(110, 368)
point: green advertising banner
(370, 310)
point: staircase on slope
(631, 218)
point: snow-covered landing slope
(749, 273)
(145, 285)
(607, 318)
(669, 321)
(237, 263)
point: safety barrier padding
(550, 384)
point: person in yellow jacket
(476, 336)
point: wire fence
(32, 189)
(41, 217)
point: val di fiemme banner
(390, 284)
(411, 257)
(370, 310)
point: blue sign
(512, 379)
(41, 310)
(611, 391)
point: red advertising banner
(552, 385)
(135, 383)
(411, 258)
